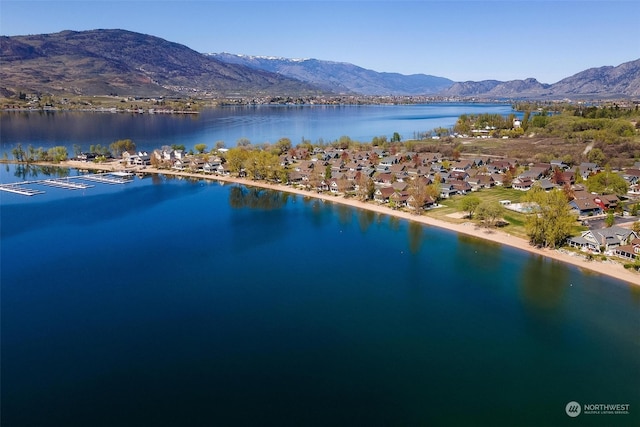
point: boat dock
(67, 183)
(109, 178)
(18, 188)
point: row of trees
(55, 154)
(466, 123)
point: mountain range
(342, 77)
(99, 62)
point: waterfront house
(196, 164)
(86, 157)
(211, 166)
(141, 158)
(223, 170)
(180, 164)
(630, 251)
(428, 202)
(399, 199)
(603, 239)
(382, 194)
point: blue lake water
(228, 124)
(169, 302)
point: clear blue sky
(460, 40)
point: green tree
(18, 152)
(525, 120)
(120, 146)
(490, 211)
(379, 140)
(610, 219)
(434, 189)
(327, 172)
(596, 156)
(57, 154)
(551, 223)
(469, 204)
(200, 148)
(395, 137)
(463, 125)
(31, 153)
(235, 158)
(283, 175)
(607, 182)
(283, 145)
(507, 180)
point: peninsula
(609, 268)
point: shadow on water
(416, 237)
(241, 197)
(87, 210)
(320, 212)
(543, 283)
(365, 219)
(345, 214)
(258, 218)
(394, 223)
(475, 254)
(27, 171)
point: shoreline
(614, 270)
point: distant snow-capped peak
(252, 57)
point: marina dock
(26, 188)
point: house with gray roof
(608, 239)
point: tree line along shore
(453, 176)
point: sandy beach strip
(615, 270)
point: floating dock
(109, 178)
(67, 183)
(16, 188)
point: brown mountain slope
(116, 61)
(622, 81)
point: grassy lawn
(516, 220)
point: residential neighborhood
(419, 181)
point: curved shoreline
(614, 270)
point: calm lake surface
(168, 302)
(258, 124)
